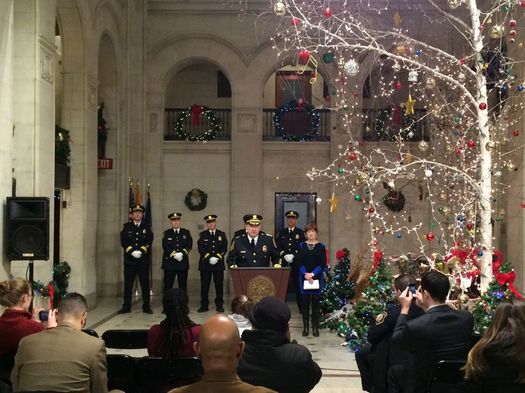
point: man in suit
(441, 334)
(136, 239)
(62, 359)
(176, 245)
(254, 249)
(287, 240)
(213, 246)
(374, 357)
(219, 347)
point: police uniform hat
(246, 217)
(138, 208)
(254, 219)
(292, 213)
(175, 216)
(210, 217)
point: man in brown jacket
(219, 348)
(62, 359)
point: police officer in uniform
(176, 245)
(244, 230)
(136, 239)
(213, 246)
(253, 249)
(287, 241)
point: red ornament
(463, 61)
(471, 144)
(522, 3)
(470, 226)
(458, 151)
(398, 85)
(430, 236)
(512, 23)
(352, 156)
(522, 205)
(296, 21)
(516, 133)
(512, 40)
(327, 12)
(482, 106)
(371, 210)
(304, 56)
(512, 33)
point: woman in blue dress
(311, 259)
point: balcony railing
(171, 115)
(295, 121)
(381, 125)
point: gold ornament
(497, 31)
(397, 18)
(430, 83)
(463, 298)
(333, 203)
(423, 145)
(453, 4)
(461, 77)
(409, 108)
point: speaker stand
(30, 268)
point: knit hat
(271, 313)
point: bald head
(219, 345)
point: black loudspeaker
(27, 228)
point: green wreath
(196, 200)
(195, 112)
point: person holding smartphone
(311, 261)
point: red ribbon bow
(196, 110)
(51, 289)
(508, 278)
(378, 255)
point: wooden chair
(158, 375)
(121, 373)
(446, 376)
(126, 339)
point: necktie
(213, 233)
(177, 231)
(290, 231)
(252, 243)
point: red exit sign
(105, 163)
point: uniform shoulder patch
(381, 318)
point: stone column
(6, 116)
(34, 110)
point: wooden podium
(258, 282)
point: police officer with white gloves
(213, 246)
(176, 245)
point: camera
(412, 288)
(43, 315)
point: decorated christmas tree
(500, 290)
(338, 289)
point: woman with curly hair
(175, 335)
(496, 364)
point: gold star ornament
(333, 203)
(409, 106)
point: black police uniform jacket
(212, 246)
(136, 238)
(242, 254)
(173, 242)
(287, 243)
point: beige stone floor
(340, 372)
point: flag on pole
(138, 197)
(147, 214)
(131, 199)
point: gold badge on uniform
(380, 318)
(296, 236)
(265, 248)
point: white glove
(136, 254)
(214, 260)
(289, 258)
(178, 256)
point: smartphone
(412, 288)
(43, 315)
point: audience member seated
(374, 357)
(270, 359)
(62, 359)
(440, 334)
(175, 335)
(242, 310)
(17, 322)
(496, 364)
(219, 347)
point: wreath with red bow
(196, 112)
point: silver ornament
(351, 67)
(412, 76)
(461, 77)
(453, 4)
(396, 67)
(423, 145)
(279, 8)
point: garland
(196, 200)
(295, 106)
(62, 148)
(195, 112)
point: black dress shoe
(147, 310)
(220, 309)
(202, 309)
(123, 311)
